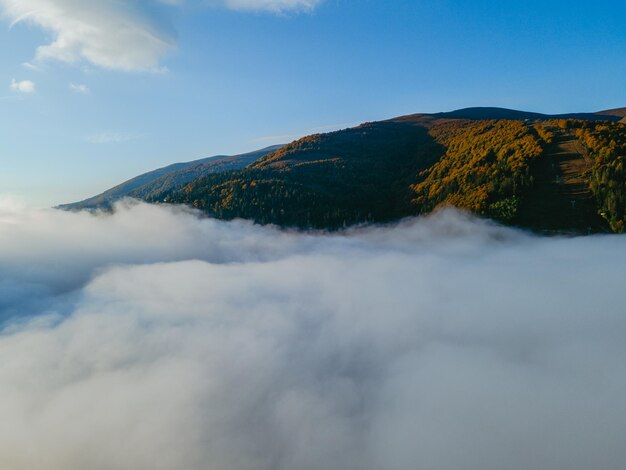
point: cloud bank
(99, 32)
(154, 339)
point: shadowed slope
(325, 180)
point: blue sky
(93, 92)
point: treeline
(485, 169)
(605, 144)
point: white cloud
(278, 6)
(24, 86)
(29, 66)
(161, 340)
(106, 33)
(80, 88)
(112, 137)
(130, 35)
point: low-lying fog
(154, 339)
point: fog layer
(155, 339)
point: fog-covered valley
(152, 338)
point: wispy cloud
(118, 35)
(31, 66)
(80, 88)
(112, 137)
(106, 33)
(23, 86)
(277, 6)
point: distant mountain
(618, 112)
(503, 113)
(168, 178)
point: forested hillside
(520, 172)
(323, 181)
(485, 169)
(554, 175)
(605, 144)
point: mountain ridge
(167, 177)
(550, 173)
(487, 113)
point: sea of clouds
(156, 339)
